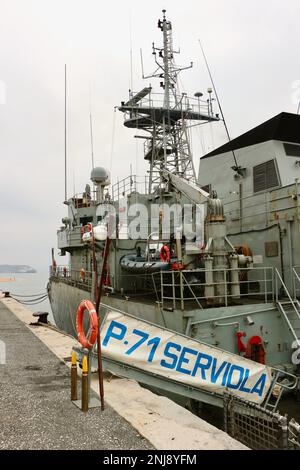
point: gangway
(134, 348)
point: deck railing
(181, 102)
(180, 289)
(130, 184)
(177, 289)
(296, 281)
(77, 277)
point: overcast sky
(253, 50)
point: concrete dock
(35, 407)
(36, 411)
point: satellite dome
(99, 175)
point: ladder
(290, 311)
(289, 308)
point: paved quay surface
(163, 423)
(35, 407)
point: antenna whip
(219, 104)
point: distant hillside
(16, 268)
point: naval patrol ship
(212, 256)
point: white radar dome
(100, 175)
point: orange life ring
(177, 266)
(83, 340)
(89, 226)
(165, 254)
(243, 250)
(82, 274)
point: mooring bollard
(85, 386)
(74, 377)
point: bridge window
(265, 176)
(207, 188)
(86, 220)
(292, 150)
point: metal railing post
(225, 287)
(162, 289)
(181, 291)
(265, 277)
(174, 291)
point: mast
(167, 147)
(66, 192)
(166, 27)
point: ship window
(265, 176)
(207, 188)
(292, 150)
(85, 220)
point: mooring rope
(32, 301)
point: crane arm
(190, 189)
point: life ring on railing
(243, 250)
(83, 340)
(165, 254)
(177, 266)
(82, 274)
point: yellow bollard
(74, 377)
(85, 386)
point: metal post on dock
(85, 386)
(89, 361)
(74, 377)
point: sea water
(29, 285)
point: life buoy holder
(165, 254)
(241, 347)
(89, 342)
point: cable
(32, 301)
(219, 104)
(30, 295)
(34, 298)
